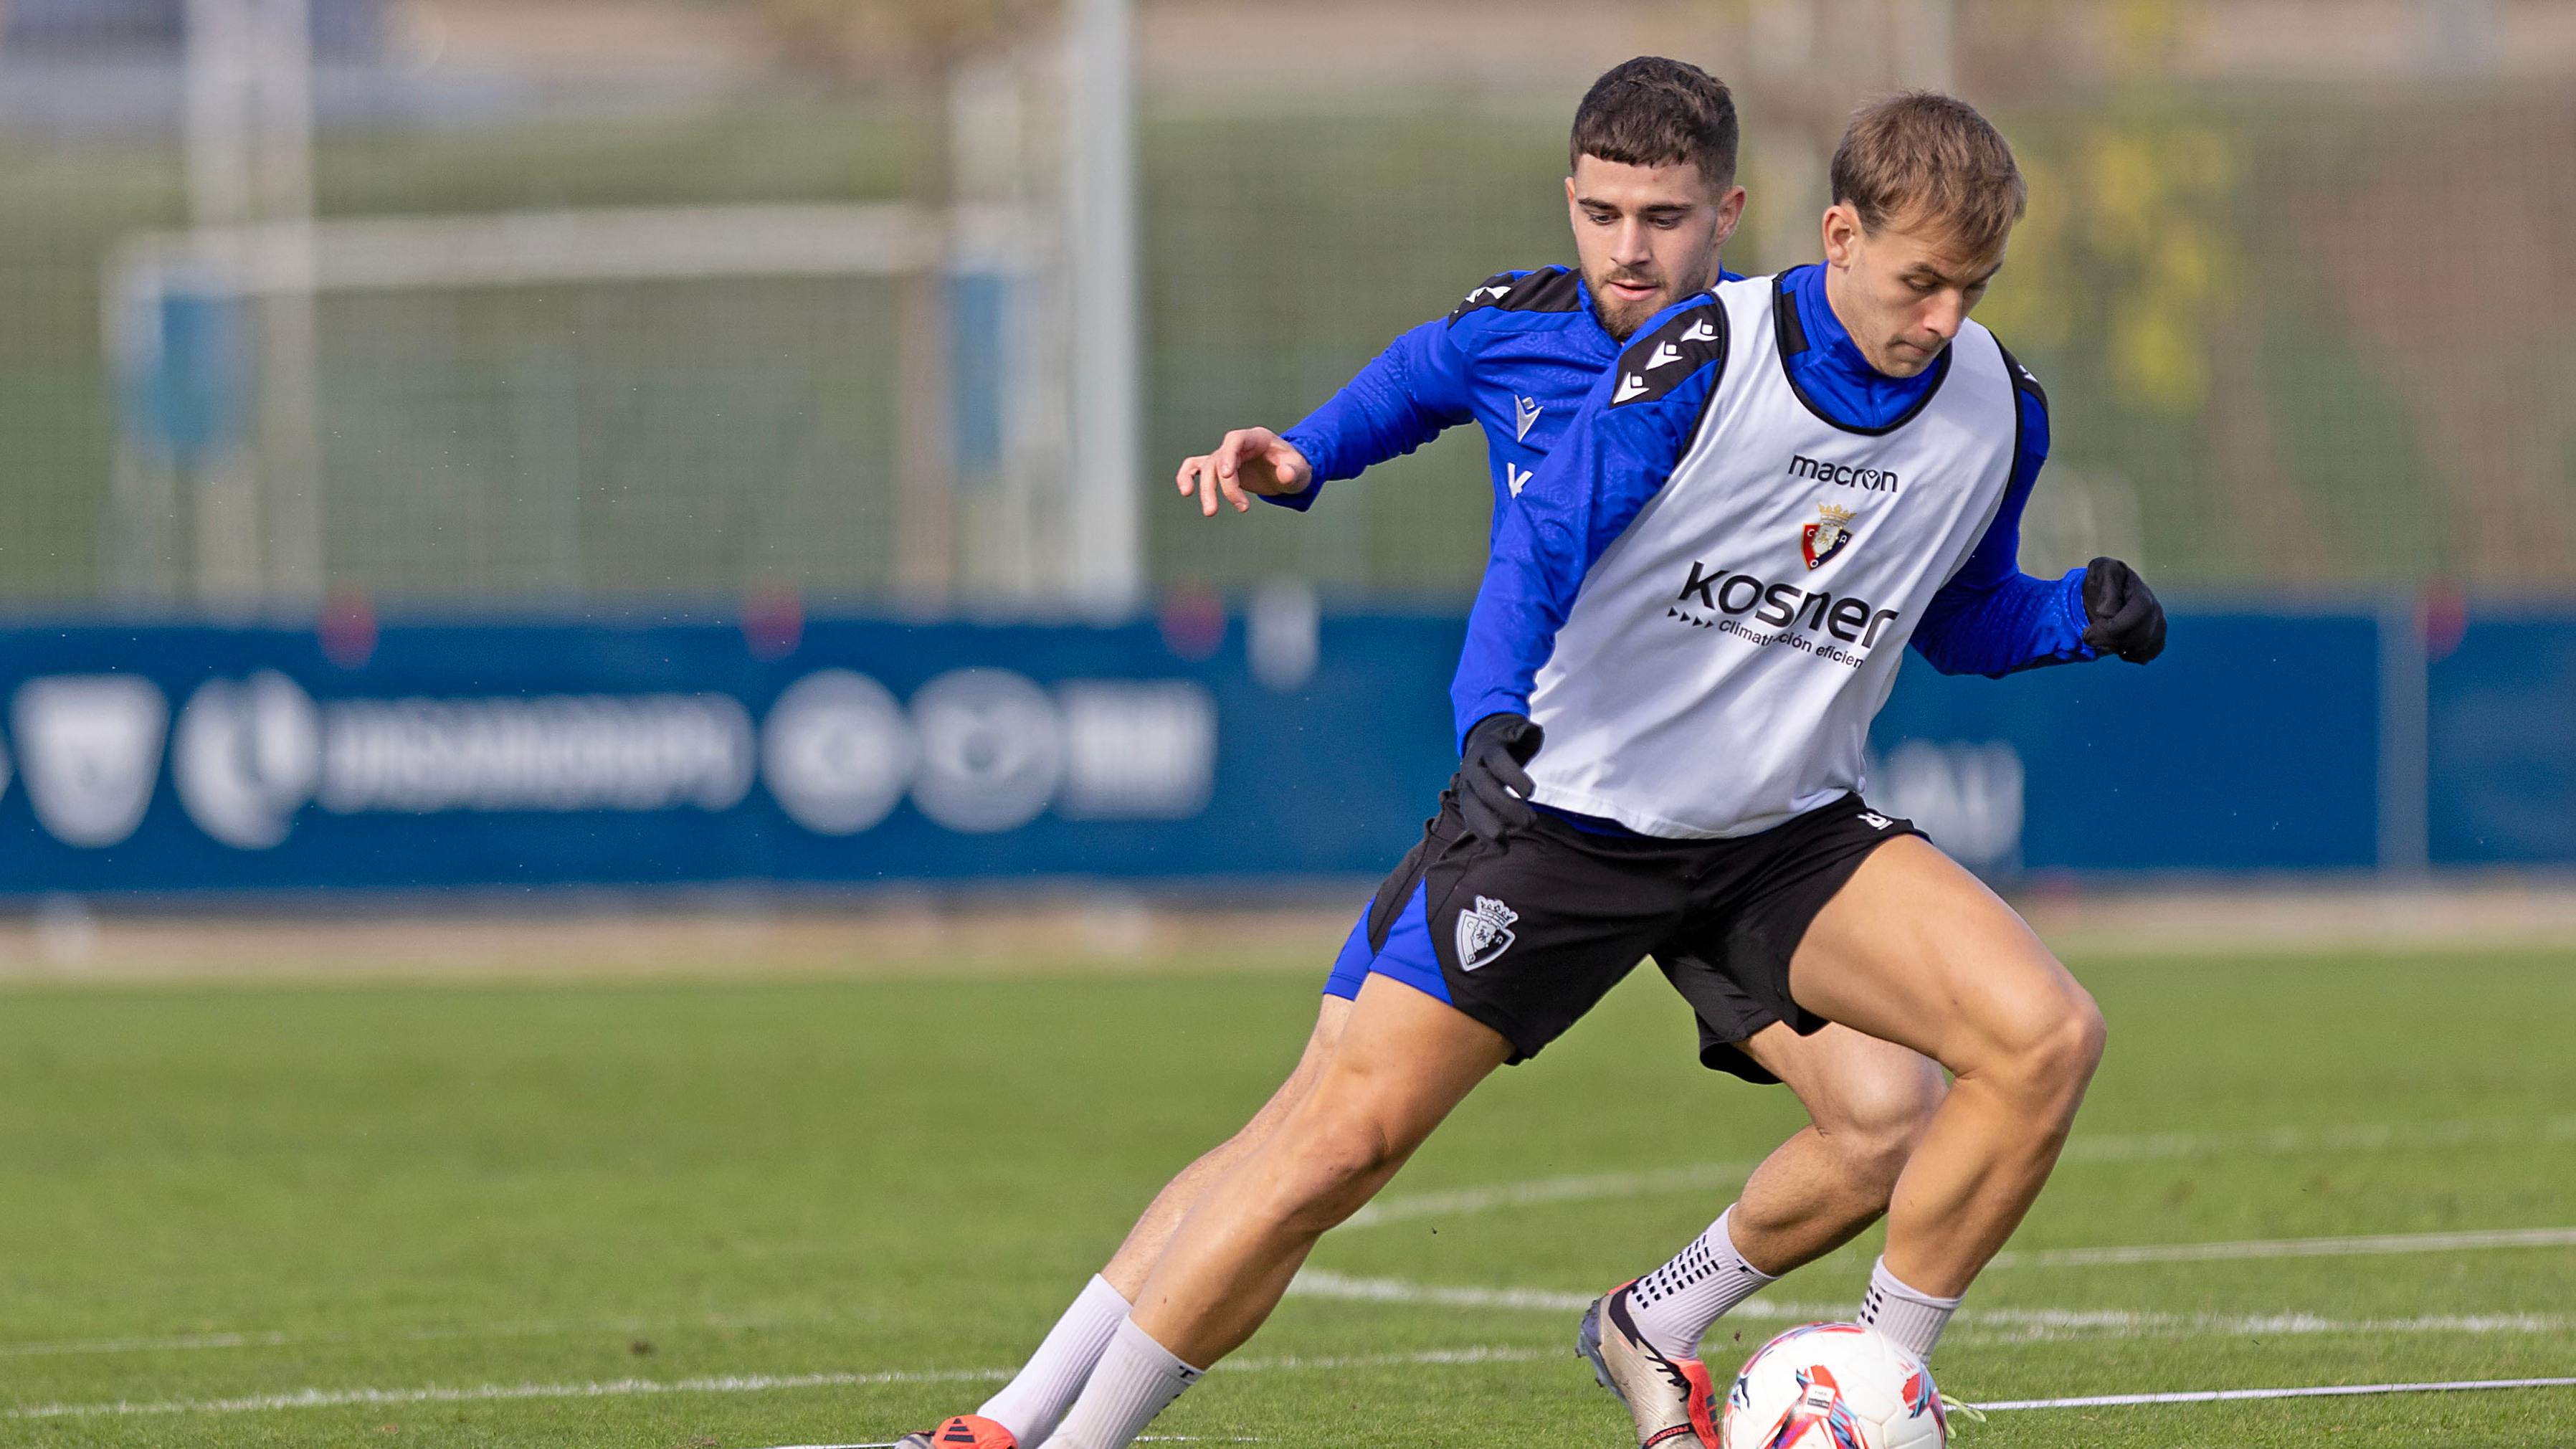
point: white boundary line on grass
(2289, 1248)
(2019, 1324)
(2141, 1147)
(758, 1383)
(1324, 1284)
(727, 1384)
(2230, 1396)
(175, 1343)
(2111, 1401)
(1585, 1187)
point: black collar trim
(1793, 340)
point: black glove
(1492, 789)
(2126, 619)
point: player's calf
(1405, 1061)
(1869, 1102)
(1871, 1140)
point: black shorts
(1527, 937)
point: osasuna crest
(1821, 541)
(1484, 933)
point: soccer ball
(1833, 1386)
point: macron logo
(1700, 331)
(1665, 356)
(1528, 411)
(1633, 385)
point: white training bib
(1721, 663)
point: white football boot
(1669, 1398)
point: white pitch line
(1320, 1283)
(2017, 1324)
(2301, 1141)
(175, 1343)
(2140, 1147)
(1587, 1187)
(1323, 1283)
(2345, 1247)
(729, 1384)
(2230, 1396)
(495, 1393)
(533, 1329)
(757, 1383)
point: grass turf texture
(220, 1194)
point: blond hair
(1924, 156)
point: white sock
(1675, 1304)
(1136, 1379)
(1909, 1315)
(1030, 1404)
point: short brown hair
(1654, 112)
(1924, 154)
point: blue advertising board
(2502, 743)
(2253, 743)
(851, 751)
(187, 758)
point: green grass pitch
(749, 1213)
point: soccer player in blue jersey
(1694, 608)
(1652, 198)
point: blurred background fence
(2294, 276)
(477, 311)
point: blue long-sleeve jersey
(1516, 358)
(1524, 349)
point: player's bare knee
(2059, 1058)
(1882, 1125)
(1336, 1166)
(2042, 1051)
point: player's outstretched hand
(1246, 461)
(1493, 789)
(2126, 619)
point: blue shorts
(1408, 956)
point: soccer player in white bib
(1652, 197)
(1693, 611)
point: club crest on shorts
(1484, 933)
(1821, 541)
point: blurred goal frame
(1064, 532)
(215, 540)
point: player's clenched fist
(2125, 618)
(1245, 462)
(1492, 788)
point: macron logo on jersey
(1526, 411)
(1847, 475)
(1631, 387)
